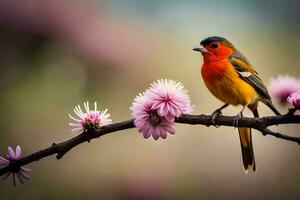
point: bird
(232, 79)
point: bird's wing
(247, 72)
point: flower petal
(18, 152)
(14, 180)
(7, 174)
(163, 133)
(20, 178)
(25, 169)
(3, 161)
(11, 153)
(24, 175)
(155, 133)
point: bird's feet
(236, 119)
(215, 115)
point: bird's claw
(214, 116)
(236, 120)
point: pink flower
(169, 98)
(294, 99)
(147, 119)
(20, 172)
(283, 86)
(155, 110)
(90, 119)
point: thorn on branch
(291, 111)
(60, 154)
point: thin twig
(260, 124)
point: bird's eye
(215, 45)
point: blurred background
(56, 54)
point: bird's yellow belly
(232, 90)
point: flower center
(14, 168)
(154, 118)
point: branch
(260, 124)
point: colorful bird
(231, 78)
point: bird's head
(215, 48)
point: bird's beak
(200, 49)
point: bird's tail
(272, 107)
(247, 149)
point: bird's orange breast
(224, 83)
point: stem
(260, 124)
